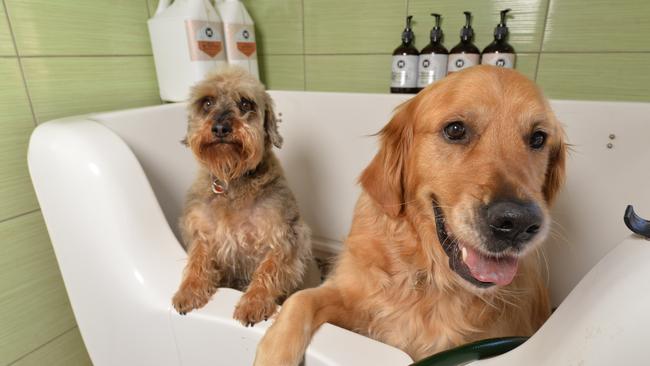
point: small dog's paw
(253, 309)
(187, 299)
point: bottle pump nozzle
(466, 33)
(407, 35)
(436, 32)
(501, 31)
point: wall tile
(283, 72)
(79, 27)
(597, 26)
(348, 73)
(359, 26)
(151, 6)
(278, 25)
(6, 43)
(34, 307)
(16, 124)
(527, 64)
(616, 76)
(525, 21)
(66, 350)
(65, 86)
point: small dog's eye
(455, 131)
(207, 103)
(246, 105)
(537, 140)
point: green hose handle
(472, 351)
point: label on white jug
(499, 59)
(404, 71)
(460, 61)
(205, 40)
(433, 67)
(241, 42)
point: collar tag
(218, 187)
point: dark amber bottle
(500, 53)
(432, 64)
(404, 73)
(464, 54)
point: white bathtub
(111, 188)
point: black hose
(472, 351)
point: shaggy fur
(393, 281)
(251, 236)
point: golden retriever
(443, 248)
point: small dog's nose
(514, 222)
(220, 129)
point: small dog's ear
(383, 179)
(271, 122)
(555, 172)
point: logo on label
(204, 40)
(426, 63)
(501, 62)
(460, 63)
(246, 34)
(401, 64)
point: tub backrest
(328, 143)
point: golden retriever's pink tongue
(499, 271)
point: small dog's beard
(228, 161)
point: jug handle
(162, 5)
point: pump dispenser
(464, 54)
(404, 76)
(432, 64)
(187, 43)
(239, 32)
(500, 52)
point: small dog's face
(482, 156)
(231, 123)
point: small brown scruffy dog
(241, 225)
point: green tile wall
(6, 44)
(72, 57)
(79, 27)
(64, 86)
(574, 49)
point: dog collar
(218, 187)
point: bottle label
(205, 40)
(432, 67)
(404, 71)
(241, 42)
(460, 61)
(506, 60)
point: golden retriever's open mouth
(480, 269)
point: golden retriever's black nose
(512, 223)
(221, 129)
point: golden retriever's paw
(253, 309)
(187, 299)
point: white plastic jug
(187, 42)
(239, 32)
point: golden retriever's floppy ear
(270, 122)
(555, 172)
(383, 179)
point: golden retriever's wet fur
(393, 280)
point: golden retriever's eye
(207, 103)
(455, 131)
(537, 140)
(246, 105)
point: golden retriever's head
(473, 161)
(231, 123)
